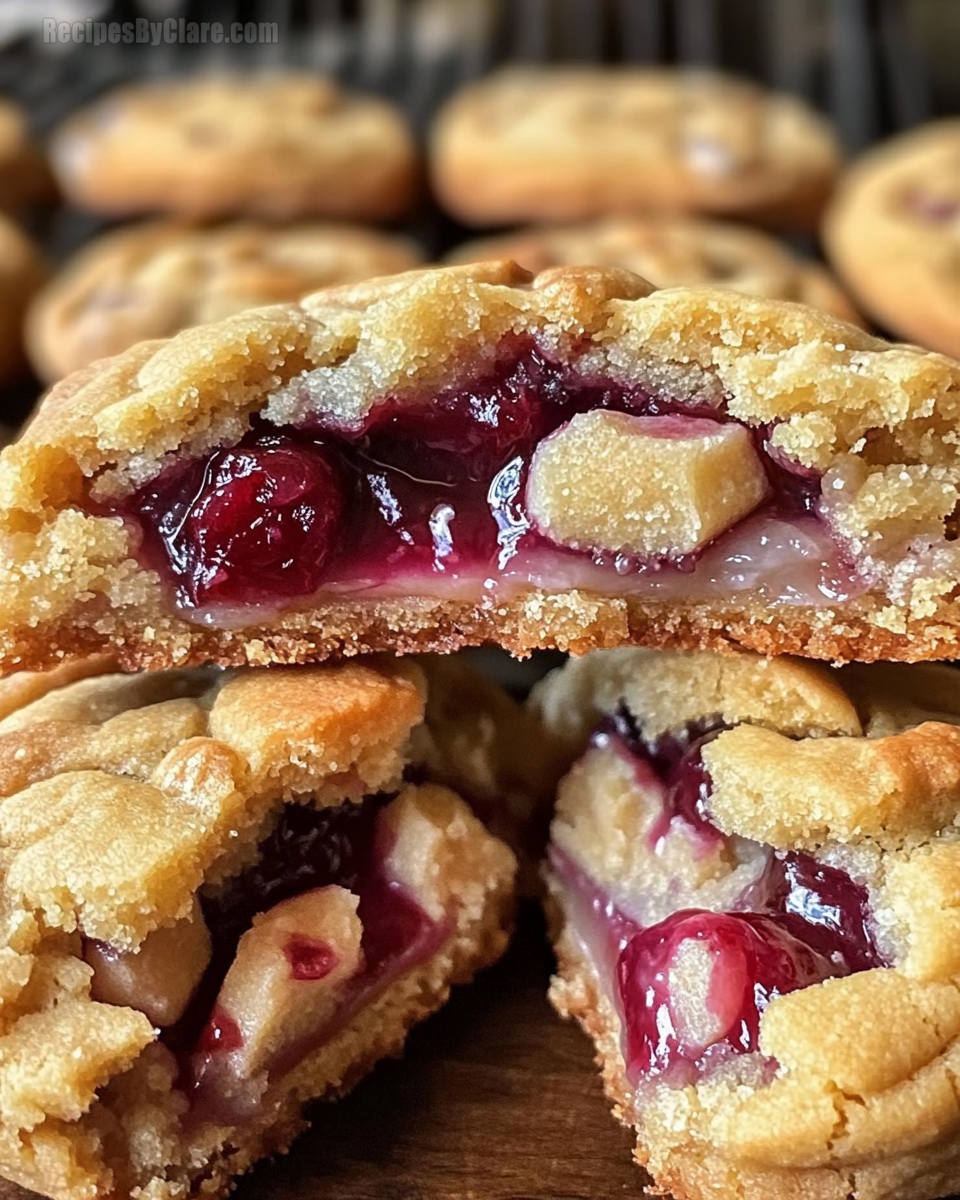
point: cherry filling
(309, 850)
(691, 988)
(247, 525)
(676, 762)
(432, 491)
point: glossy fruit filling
(691, 988)
(431, 497)
(310, 850)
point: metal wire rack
(874, 65)
(864, 61)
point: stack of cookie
(258, 817)
(233, 881)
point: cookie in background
(672, 252)
(224, 897)
(892, 233)
(753, 875)
(151, 280)
(22, 272)
(25, 177)
(277, 146)
(570, 143)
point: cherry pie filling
(447, 498)
(299, 942)
(690, 988)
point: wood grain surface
(495, 1098)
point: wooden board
(495, 1098)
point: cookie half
(753, 871)
(569, 143)
(672, 252)
(281, 146)
(222, 898)
(152, 280)
(892, 232)
(463, 455)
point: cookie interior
(457, 455)
(750, 863)
(222, 898)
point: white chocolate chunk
(273, 1003)
(160, 976)
(691, 985)
(657, 487)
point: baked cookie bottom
(573, 621)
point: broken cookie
(223, 896)
(753, 873)
(465, 455)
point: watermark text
(172, 30)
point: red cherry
(310, 959)
(752, 958)
(252, 524)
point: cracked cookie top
(281, 146)
(149, 784)
(206, 878)
(567, 143)
(154, 279)
(672, 251)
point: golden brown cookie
(672, 252)
(893, 234)
(462, 455)
(278, 146)
(22, 271)
(152, 280)
(754, 871)
(25, 178)
(570, 143)
(220, 899)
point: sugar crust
(541, 143)
(281, 146)
(898, 263)
(152, 279)
(860, 765)
(672, 251)
(878, 419)
(120, 795)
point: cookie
(152, 280)
(25, 178)
(570, 143)
(462, 455)
(893, 234)
(753, 872)
(22, 272)
(672, 252)
(222, 898)
(279, 146)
